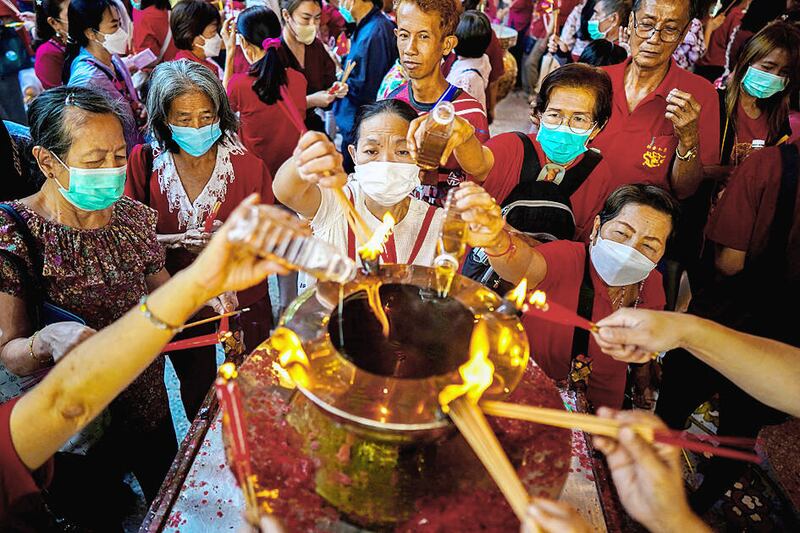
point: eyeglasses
(645, 30)
(580, 124)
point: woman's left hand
(228, 34)
(339, 89)
(462, 132)
(227, 265)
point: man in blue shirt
(374, 50)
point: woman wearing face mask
(385, 175)
(194, 162)
(572, 107)
(195, 26)
(608, 16)
(261, 96)
(617, 269)
(51, 34)
(97, 40)
(100, 255)
(307, 54)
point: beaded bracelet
(157, 322)
(511, 246)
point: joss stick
(470, 421)
(212, 216)
(554, 312)
(347, 70)
(202, 340)
(610, 428)
(215, 318)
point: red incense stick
(554, 312)
(201, 340)
(212, 216)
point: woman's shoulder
(135, 215)
(49, 48)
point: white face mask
(212, 45)
(115, 43)
(619, 264)
(387, 182)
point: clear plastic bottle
(305, 252)
(439, 127)
(450, 245)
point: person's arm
(766, 369)
(511, 256)
(711, 26)
(474, 158)
(86, 381)
(228, 34)
(315, 163)
(684, 113)
(729, 261)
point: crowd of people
(659, 172)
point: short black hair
(188, 20)
(581, 76)
(623, 7)
(641, 194)
(474, 32)
(697, 8)
(602, 52)
(391, 105)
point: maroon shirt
(49, 63)
(551, 343)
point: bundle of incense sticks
(739, 448)
(554, 312)
(203, 340)
(348, 68)
(208, 225)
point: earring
(52, 175)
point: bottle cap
(444, 113)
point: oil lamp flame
(288, 344)
(517, 295)
(539, 300)
(227, 371)
(371, 249)
(477, 373)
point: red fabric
(150, 28)
(520, 14)
(495, 53)
(185, 54)
(587, 201)
(251, 176)
(639, 146)
(718, 43)
(17, 482)
(543, 7)
(49, 64)
(331, 22)
(273, 144)
(744, 214)
(551, 344)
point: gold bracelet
(157, 322)
(30, 347)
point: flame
(376, 305)
(477, 374)
(517, 295)
(291, 356)
(539, 300)
(371, 249)
(227, 371)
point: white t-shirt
(330, 225)
(472, 75)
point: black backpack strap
(781, 226)
(580, 337)
(530, 160)
(575, 176)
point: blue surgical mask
(348, 17)
(93, 189)
(561, 145)
(196, 141)
(762, 84)
(136, 5)
(594, 30)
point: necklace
(619, 301)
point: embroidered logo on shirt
(655, 155)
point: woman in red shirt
(195, 162)
(617, 268)
(151, 29)
(51, 33)
(261, 96)
(195, 26)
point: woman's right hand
(318, 161)
(483, 216)
(56, 340)
(228, 34)
(554, 44)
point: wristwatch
(690, 154)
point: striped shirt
(451, 174)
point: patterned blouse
(692, 48)
(98, 274)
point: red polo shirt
(639, 146)
(211, 65)
(718, 43)
(587, 201)
(743, 217)
(551, 344)
(150, 29)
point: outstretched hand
(633, 335)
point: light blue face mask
(348, 17)
(196, 141)
(93, 189)
(561, 145)
(762, 84)
(594, 30)
(136, 5)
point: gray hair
(175, 78)
(47, 115)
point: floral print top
(98, 274)
(692, 48)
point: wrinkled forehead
(383, 128)
(646, 221)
